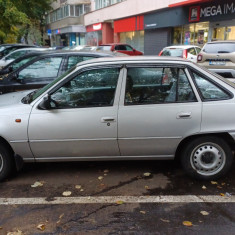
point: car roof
(180, 46)
(137, 59)
(227, 41)
(111, 44)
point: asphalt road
(91, 181)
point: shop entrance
(223, 33)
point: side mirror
(46, 103)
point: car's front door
(158, 108)
(83, 119)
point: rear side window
(173, 52)
(209, 90)
(192, 51)
(219, 48)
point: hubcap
(1, 162)
(208, 159)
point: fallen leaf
(61, 216)
(41, 227)
(187, 223)
(105, 174)
(78, 186)
(147, 174)
(146, 187)
(106, 171)
(37, 184)
(100, 177)
(18, 232)
(204, 212)
(204, 187)
(67, 193)
(223, 184)
(119, 202)
(165, 220)
(222, 194)
(102, 185)
(1, 227)
(219, 187)
(143, 212)
(81, 190)
(214, 182)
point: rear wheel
(207, 158)
(6, 163)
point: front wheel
(6, 163)
(207, 158)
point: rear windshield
(219, 48)
(104, 48)
(173, 52)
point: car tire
(207, 158)
(6, 163)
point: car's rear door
(83, 122)
(159, 107)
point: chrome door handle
(184, 115)
(107, 119)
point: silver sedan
(124, 109)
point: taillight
(160, 53)
(185, 54)
(199, 57)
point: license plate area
(211, 62)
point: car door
(83, 119)
(38, 73)
(159, 106)
(192, 54)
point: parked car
(219, 57)
(119, 47)
(115, 109)
(7, 48)
(45, 68)
(189, 52)
(16, 54)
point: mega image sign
(197, 13)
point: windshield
(2, 48)
(173, 52)
(219, 48)
(35, 94)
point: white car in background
(16, 54)
(189, 52)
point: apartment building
(65, 23)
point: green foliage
(23, 14)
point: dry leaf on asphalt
(214, 182)
(78, 186)
(106, 171)
(18, 232)
(222, 194)
(165, 220)
(100, 177)
(204, 187)
(204, 212)
(41, 227)
(143, 212)
(219, 187)
(67, 193)
(61, 216)
(146, 187)
(81, 190)
(105, 174)
(147, 174)
(223, 184)
(37, 184)
(187, 223)
(1, 227)
(119, 202)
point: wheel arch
(224, 135)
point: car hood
(13, 98)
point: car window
(15, 55)
(47, 67)
(192, 51)
(198, 49)
(209, 90)
(128, 48)
(93, 88)
(73, 60)
(157, 85)
(120, 48)
(16, 65)
(219, 48)
(173, 52)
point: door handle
(184, 115)
(107, 119)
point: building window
(104, 3)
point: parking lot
(124, 197)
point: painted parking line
(115, 199)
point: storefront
(130, 31)
(184, 23)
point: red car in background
(119, 47)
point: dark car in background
(119, 47)
(7, 48)
(45, 68)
